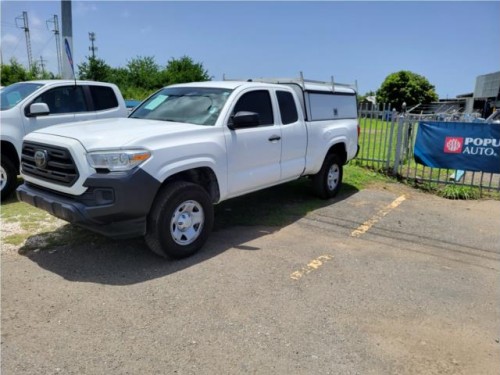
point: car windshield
(13, 94)
(193, 105)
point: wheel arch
(9, 150)
(203, 176)
(340, 150)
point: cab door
(63, 102)
(253, 153)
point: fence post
(399, 148)
(391, 133)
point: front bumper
(115, 204)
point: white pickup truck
(189, 146)
(32, 105)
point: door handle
(274, 138)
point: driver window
(259, 102)
(67, 99)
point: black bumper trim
(122, 213)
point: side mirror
(38, 109)
(243, 120)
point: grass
(460, 192)
(31, 228)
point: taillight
(359, 130)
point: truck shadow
(79, 255)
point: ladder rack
(300, 81)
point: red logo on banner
(453, 145)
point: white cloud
(34, 21)
(10, 40)
(82, 8)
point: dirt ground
(381, 281)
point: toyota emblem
(41, 159)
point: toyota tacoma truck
(189, 146)
(32, 105)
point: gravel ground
(414, 291)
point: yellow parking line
(311, 266)
(363, 228)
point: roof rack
(300, 81)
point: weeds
(459, 192)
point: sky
(450, 43)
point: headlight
(117, 160)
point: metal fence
(387, 141)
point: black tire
(179, 204)
(327, 182)
(8, 177)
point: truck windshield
(13, 94)
(193, 105)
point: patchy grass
(460, 192)
(283, 204)
(29, 228)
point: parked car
(494, 118)
(131, 104)
(158, 173)
(32, 105)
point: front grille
(59, 166)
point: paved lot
(376, 283)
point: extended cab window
(65, 99)
(288, 109)
(103, 97)
(332, 106)
(259, 102)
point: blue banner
(68, 54)
(458, 145)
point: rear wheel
(8, 177)
(180, 221)
(328, 180)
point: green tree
(15, 72)
(144, 72)
(184, 70)
(406, 86)
(94, 69)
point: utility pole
(67, 35)
(92, 48)
(26, 28)
(55, 30)
(42, 64)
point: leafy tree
(12, 73)
(94, 69)
(15, 72)
(184, 70)
(406, 86)
(144, 72)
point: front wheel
(328, 180)
(180, 221)
(8, 177)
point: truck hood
(116, 132)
